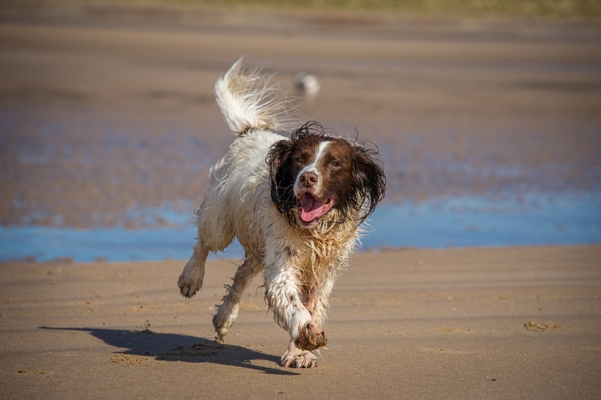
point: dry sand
(474, 323)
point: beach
(454, 323)
(109, 127)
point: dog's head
(314, 173)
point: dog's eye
(298, 159)
(335, 164)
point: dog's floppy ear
(277, 155)
(280, 175)
(369, 178)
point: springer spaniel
(295, 204)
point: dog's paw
(224, 319)
(298, 358)
(190, 281)
(310, 338)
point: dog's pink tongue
(310, 208)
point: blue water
(470, 221)
(561, 219)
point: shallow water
(448, 222)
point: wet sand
(103, 118)
(472, 323)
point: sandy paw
(224, 319)
(310, 338)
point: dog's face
(321, 170)
(313, 174)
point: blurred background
(487, 114)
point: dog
(295, 204)
(307, 85)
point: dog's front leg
(190, 281)
(315, 299)
(284, 299)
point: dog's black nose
(308, 179)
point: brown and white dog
(295, 204)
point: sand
(454, 323)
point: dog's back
(239, 182)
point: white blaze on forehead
(320, 152)
(321, 149)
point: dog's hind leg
(214, 234)
(228, 310)
(190, 281)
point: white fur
(312, 168)
(247, 101)
(238, 204)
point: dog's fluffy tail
(248, 101)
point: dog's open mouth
(310, 209)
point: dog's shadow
(175, 347)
